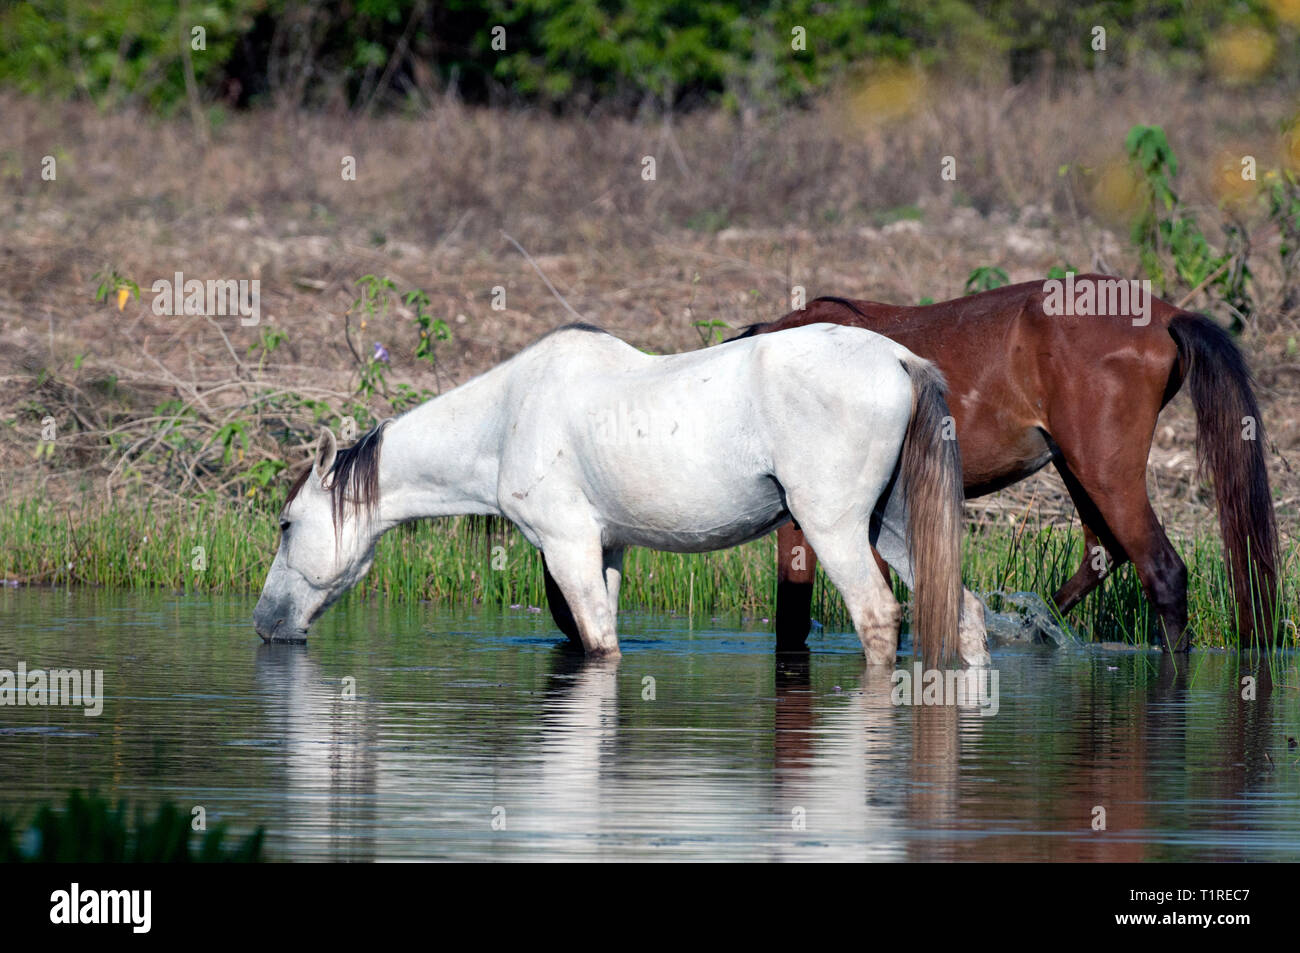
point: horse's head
(327, 538)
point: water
(697, 745)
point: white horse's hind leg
(972, 637)
(891, 544)
(845, 554)
(581, 571)
(613, 562)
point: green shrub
(572, 52)
(90, 830)
(113, 51)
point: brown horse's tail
(930, 475)
(1230, 445)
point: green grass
(452, 562)
(1039, 559)
(462, 562)
(90, 830)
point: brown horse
(1030, 385)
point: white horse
(589, 446)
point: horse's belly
(1001, 463)
(684, 524)
(693, 541)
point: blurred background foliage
(613, 54)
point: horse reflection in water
(579, 731)
(330, 771)
(1105, 795)
(858, 767)
(850, 777)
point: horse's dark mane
(355, 476)
(841, 301)
(575, 326)
(297, 484)
(754, 329)
(748, 332)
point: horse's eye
(284, 526)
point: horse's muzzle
(273, 625)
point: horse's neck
(441, 458)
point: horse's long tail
(932, 488)
(1230, 445)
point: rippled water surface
(474, 736)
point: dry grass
(828, 199)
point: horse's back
(816, 357)
(824, 340)
(1015, 365)
(587, 383)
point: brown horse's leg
(559, 606)
(884, 568)
(1084, 580)
(1088, 577)
(796, 566)
(795, 570)
(1115, 484)
(1163, 575)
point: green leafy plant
(1282, 197)
(113, 285)
(90, 830)
(432, 330)
(376, 297)
(261, 473)
(711, 332)
(267, 341)
(116, 51)
(986, 278)
(372, 304)
(1171, 246)
(233, 440)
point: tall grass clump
(1040, 559)
(459, 561)
(90, 830)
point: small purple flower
(381, 353)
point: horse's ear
(327, 449)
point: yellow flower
(1288, 11)
(1291, 147)
(123, 295)
(1229, 184)
(1116, 192)
(1241, 54)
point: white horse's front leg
(581, 571)
(972, 636)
